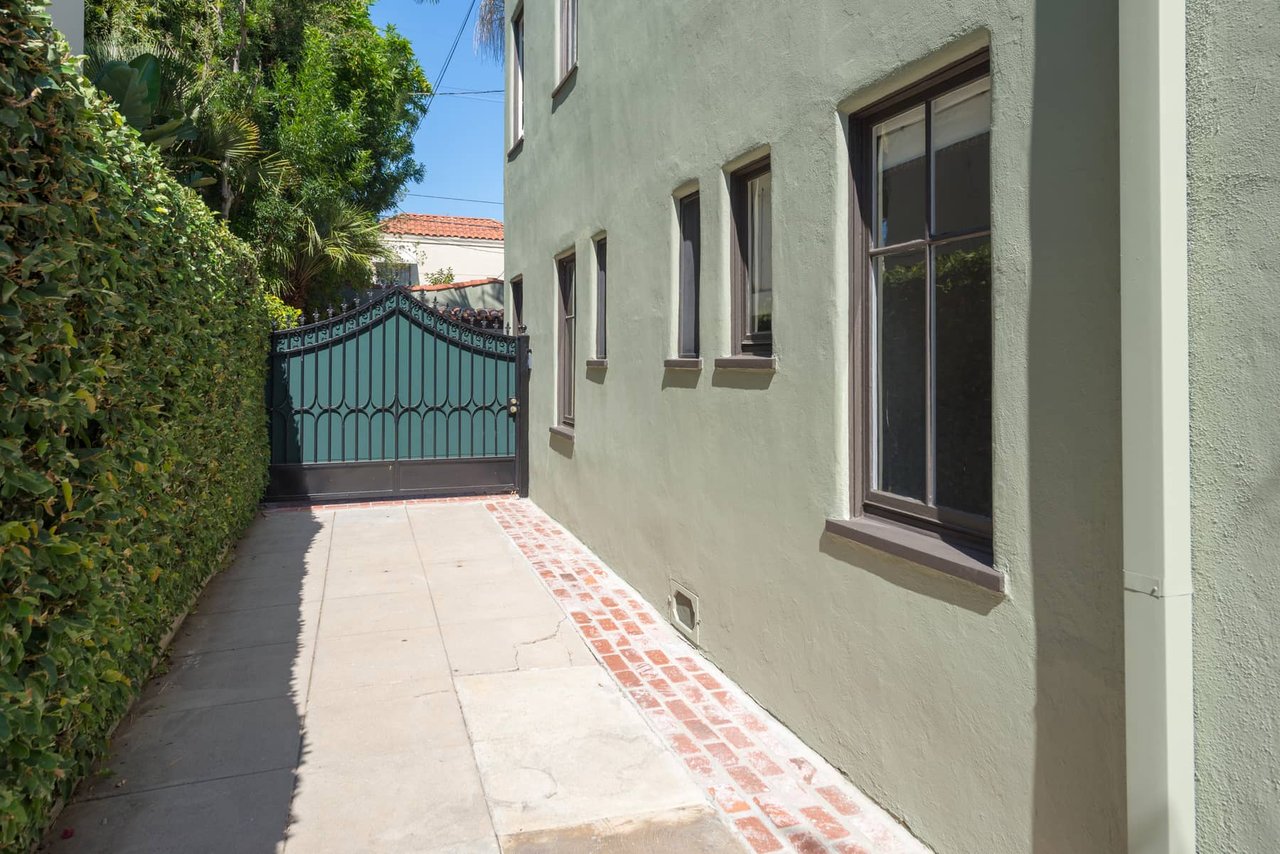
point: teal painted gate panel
(392, 380)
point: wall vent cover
(685, 614)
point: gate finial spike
(331, 311)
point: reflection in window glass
(962, 293)
(759, 272)
(901, 327)
(961, 142)
(900, 177)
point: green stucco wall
(1234, 187)
(987, 724)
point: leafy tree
(305, 127)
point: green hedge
(132, 448)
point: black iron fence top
(442, 322)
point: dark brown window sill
(747, 363)
(921, 547)
(565, 433)
(683, 363)
(597, 363)
(516, 148)
(565, 80)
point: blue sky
(460, 140)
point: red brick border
(765, 781)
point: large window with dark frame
(517, 83)
(568, 36)
(567, 273)
(752, 190)
(602, 292)
(689, 213)
(924, 233)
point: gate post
(522, 419)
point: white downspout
(1156, 427)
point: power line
(448, 60)
(472, 92)
(453, 199)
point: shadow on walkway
(206, 760)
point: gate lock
(513, 407)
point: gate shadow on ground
(206, 760)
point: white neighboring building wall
(471, 246)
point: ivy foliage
(132, 448)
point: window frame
(746, 343)
(967, 529)
(601, 246)
(567, 59)
(690, 278)
(518, 81)
(566, 337)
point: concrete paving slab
(461, 601)
(395, 552)
(233, 676)
(401, 663)
(246, 814)
(696, 829)
(278, 565)
(379, 612)
(195, 745)
(204, 632)
(372, 580)
(225, 593)
(509, 566)
(425, 802)
(561, 748)
(520, 643)
(405, 726)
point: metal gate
(396, 399)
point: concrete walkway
(417, 678)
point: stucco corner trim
(562, 433)
(597, 364)
(747, 363)
(923, 548)
(683, 364)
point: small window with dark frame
(568, 37)
(517, 83)
(752, 189)
(567, 271)
(924, 230)
(602, 333)
(688, 207)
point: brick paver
(768, 784)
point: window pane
(962, 276)
(759, 273)
(602, 337)
(518, 95)
(900, 177)
(690, 251)
(962, 159)
(902, 325)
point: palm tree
(337, 242)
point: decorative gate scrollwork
(395, 398)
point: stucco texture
(986, 723)
(1234, 188)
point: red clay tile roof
(435, 225)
